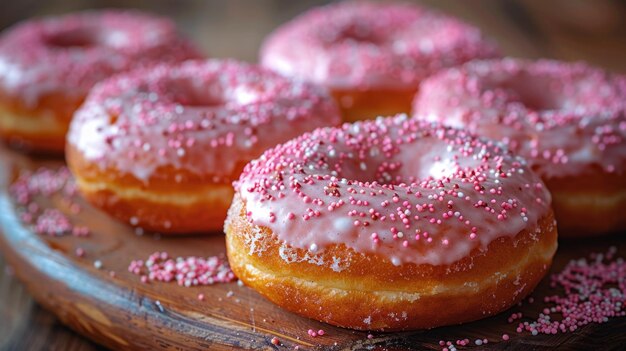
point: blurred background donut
(562, 29)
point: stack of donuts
(436, 202)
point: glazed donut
(390, 224)
(567, 119)
(371, 56)
(47, 67)
(159, 147)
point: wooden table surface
(565, 29)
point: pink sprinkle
(275, 341)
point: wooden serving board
(119, 311)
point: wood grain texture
(563, 29)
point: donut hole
(356, 34)
(358, 37)
(535, 93)
(412, 163)
(200, 100)
(76, 38)
(113, 119)
(195, 93)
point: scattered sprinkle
(159, 306)
(47, 182)
(186, 271)
(592, 290)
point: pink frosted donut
(567, 119)
(160, 147)
(372, 56)
(48, 65)
(391, 224)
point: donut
(160, 147)
(390, 224)
(47, 67)
(567, 119)
(371, 56)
